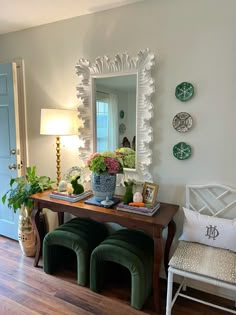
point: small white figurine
(62, 186)
(137, 197)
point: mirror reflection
(115, 115)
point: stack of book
(72, 198)
(149, 210)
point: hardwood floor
(27, 290)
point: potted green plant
(18, 197)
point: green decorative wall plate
(182, 151)
(184, 91)
(122, 114)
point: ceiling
(17, 15)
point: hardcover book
(149, 210)
(72, 198)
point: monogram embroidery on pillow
(212, 232)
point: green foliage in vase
(128, 197)
(128, 157)
(21, 188)
(105, 162)
(77, 187)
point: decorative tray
(94, 202)
(182, 122)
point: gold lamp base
(58, 154)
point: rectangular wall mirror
(115, 107)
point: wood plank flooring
(26, 290)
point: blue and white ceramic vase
(103, 186)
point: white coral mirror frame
(122, 65)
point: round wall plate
(122, 114)
(182, 151)
(184, 91)
(122, 128)
(182, 122)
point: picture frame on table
(150, 191)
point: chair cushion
(205, 260)
(209, 230)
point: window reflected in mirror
(115, 100)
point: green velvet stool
(79, 235)
(132, 249)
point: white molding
(122, 64)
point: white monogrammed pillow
(208, 230)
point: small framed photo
(150, 192)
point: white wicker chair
(199, 262)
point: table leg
(158, 251)
(170, 236)
(60, 216)
(35, 222)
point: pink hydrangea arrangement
(105, 162)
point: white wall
(193, 41)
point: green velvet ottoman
(79, 235)
(132, 249)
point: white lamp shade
(58, 122)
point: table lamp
(58, 122)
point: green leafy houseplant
(21, 188)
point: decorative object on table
(147, 209)
(70, 197)
(122, 114)
(104, 166)
(137, 204)
(109, 204)
(18, 197)
(182, 151)
(128, 197)
(138, 197)
(73, 171)
(58, 122)
(182, 122)
(77, 187)
(103, 185)
(150, 193)
(62, 186)
(184, 91)
(122, 128)
(128, 157)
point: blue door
(9, 149)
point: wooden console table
(154, 226)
